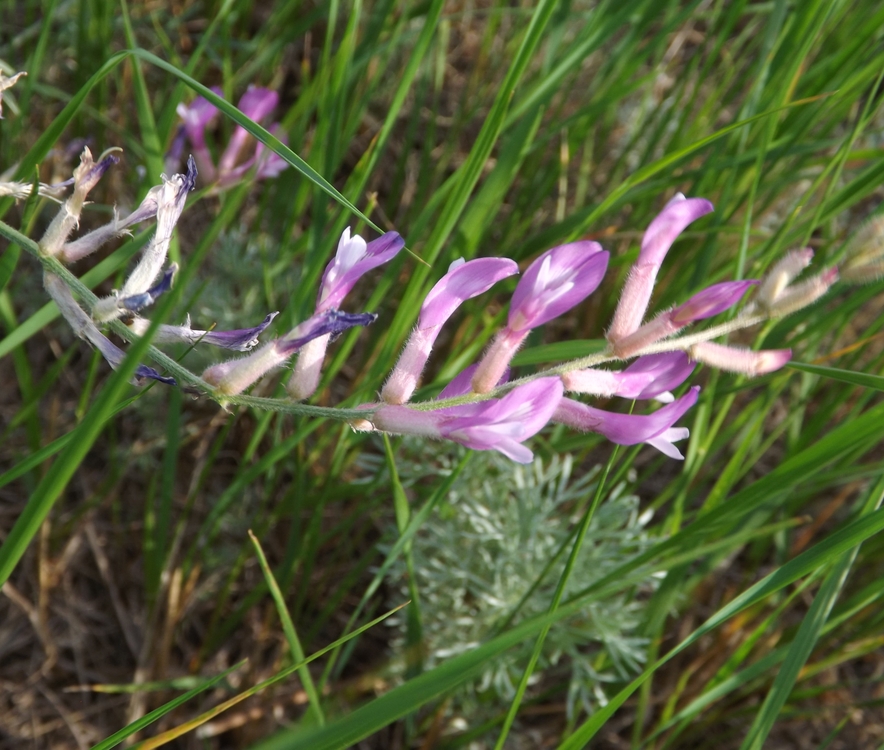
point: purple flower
(651, 376)
(140, 301)
(554, 283)
(463, 281)
(659, 236)
(256, 104)
(630, 429)
(497, 424)
(711, 301)
(353, 259)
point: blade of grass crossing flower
(464, 180)
(259, 133)
(808, 634)
(136, 726)
(822, 554)
(189, 726)
(291, 634)
(557, 598)
(56, 479)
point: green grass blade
(290, 633)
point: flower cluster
(148, 280)
(236, 160)
(482, 410)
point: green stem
(557, 598)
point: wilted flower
(87, 330)
(170, 204)
(236, 375)
(241, 340)
(89, 243)
(86, 177)
(7, 83)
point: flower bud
(743, 361)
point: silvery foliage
(486, 545)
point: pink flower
(497, 424)
(256, 104)
(711, 301)
(554, 283)
(659, 236)
(651, 376)
(353, 259)
(630, 429)
(736, 359)
(463, 281)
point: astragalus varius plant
(483, 408)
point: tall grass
(132, 584)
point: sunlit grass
(472, 131)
